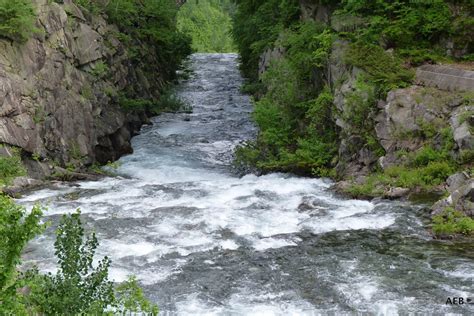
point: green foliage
(135, 104)
(150, 30)
(17, 19)
(81, 286)
(11, 167)
(256, 26)
(426, 155)
(130, 299)
(17, 227)
(78, 287)
(308, 45)
(385, 39)
(384, 69)
(452, 222)
(209, 24)
(424, 177)
(100, 70)
(413, 26)
(297, 132)
(361, 104)
(91, 5)
(168, 102)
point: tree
(79, 287)
(16, 229)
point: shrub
(168, 101)
(257, 25)
(17, 19)
(99, 70)
(426, 155)
(453, 222)
(152, 23)
(384, 69)
(11, 167)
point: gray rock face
(355, 158)
(456, 181)
(461, 196)
(463, 124)
(412, 116)
(314, 10)
(53, 104)
(270, 55)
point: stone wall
(445, 78)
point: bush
(77, 288)
(256, 26)
(11, 167)
(168, 102)
(384, 70)
(100, 70)
(297, 132)
(453, 222)
(17, 19)
(426, 155)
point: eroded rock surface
(59, 92)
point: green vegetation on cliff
(295, 107)
(149, 29)
(452, 222)
(17, 19)
(296, 132)
(209, 24)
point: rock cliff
(60, 91)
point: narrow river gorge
(202, 240)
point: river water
(202, 240)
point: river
(202, 240)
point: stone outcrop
(355, 159)
(270, 55)
(410, 118)
(59, 92)
(461, 195)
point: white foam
(229, 244)
(273, 243)
(118, 249)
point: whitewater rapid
(203, 241)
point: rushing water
(204, 241)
